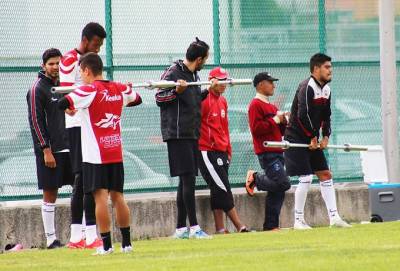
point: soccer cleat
(127, 249)
(301, 225)
(100, 251)
(181, 234)
(243, 229)
(80, 244)
(339, 223)
(250, 183)
(199, 234)
(95, 244)
(56, 244)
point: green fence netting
(144, 37)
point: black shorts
(303, 161)
(103, 176)
(214, 169)
(53, 178)
(182, 156)
(75, 148)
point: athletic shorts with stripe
(214, 169)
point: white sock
(91, 234)
(48, 221)
(83, 226)
(194, 228)
(76, 233)
(328, 194)
(301, 196)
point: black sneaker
(56, 244)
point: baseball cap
(263, 76)
(218, 73)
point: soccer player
(50, 141)
(180, 110)
(93, 35)
(310, 113)
(216, 153)
(267, 123)
(101, 102)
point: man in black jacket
(50, 142)
(180, 110)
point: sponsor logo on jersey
(109, 98)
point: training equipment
(384, 201)
(286, 145)
(165, 84)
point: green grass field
(363, 247)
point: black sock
(126, 236)
(106, 237)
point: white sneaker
(301, 225)
(199, 234)
(339, 223)
(127, 249)
(182, 233)
(100, 251)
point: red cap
(218, 73)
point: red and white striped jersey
(70, 76)
(101, 106)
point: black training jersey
(311, 111)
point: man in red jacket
(216, 153)
(267, 123)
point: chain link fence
(245, 37)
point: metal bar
(109, 40)
(165, 84)
(216, 34)
(322, 26)
(287, 145)
(389, 88)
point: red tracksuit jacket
(214, 130)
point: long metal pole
(389, 88)
(216, 33)
(322, 26)
(109, 40)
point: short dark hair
(318, 60)
(49, 53)
(93, 62)
(93, 29)
(198, 48)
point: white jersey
(70, 76)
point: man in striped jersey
(310, 113)
(93, 35)
(50, 142)
(101, 102)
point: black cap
(263, 76)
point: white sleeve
(129, 95)
(80, 99)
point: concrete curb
(154, 214)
